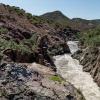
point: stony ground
(34, 82)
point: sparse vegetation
(56, 78)
(3, 30)
(6, 45)
(49, 52)
(2, 16)
(90, 58)
(3, 92)
(30, 42)
(36, 20)
(91, 38)
(17, 9)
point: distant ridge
(79, 23)
(96, 20)
(54, 15)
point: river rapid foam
(71, 71)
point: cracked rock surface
(32, 82)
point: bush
(36, 20)
(91, 38)
(24, 47)
(2, 16)
(4, 30)
(6, 45)
(31, 42)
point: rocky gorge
(72, 71)
(90, 59)
(27, 46)
(38, 57)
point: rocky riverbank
(72, 71)
(90, 59)
(34, 82)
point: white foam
(70, 70)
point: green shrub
(49, 52)
(2, 16)
(4, 30)
(24, 47)
(35, 20)
(91, 38)
(3, 92)
(30, 42)
(90, 57)
(6, 45)
(16, 9)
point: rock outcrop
(34, 82)
(90, 59)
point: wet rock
(66, 48)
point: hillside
(31, 37)
(56, 17)
(78, 23)
(23, 34)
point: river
(71, 71)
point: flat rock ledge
(34, 82)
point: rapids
(71, 71)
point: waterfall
(71, 71)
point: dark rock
(66, 48)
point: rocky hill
(78, 23)
(56, 17)
(29, 36)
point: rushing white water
(70, 70)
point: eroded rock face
(90, 59)
(29, 82)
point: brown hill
(78, 23)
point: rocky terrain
(89, 54)
(34, 82)
(30, 36)
(27, 46)
(90, 59)
(26, 40)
